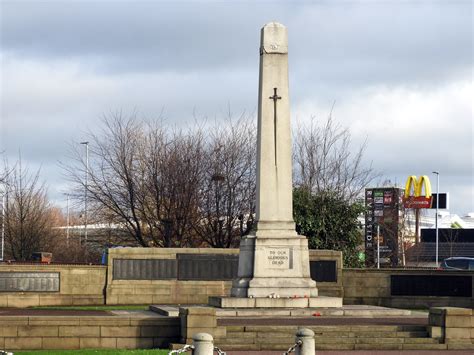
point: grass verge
(97, 308)
(93, 352)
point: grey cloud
(336, 43)
(202, 56)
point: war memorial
(255, 298)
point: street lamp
(3, 224)
(67, 219)
(85, 189)
(4, 213)
(436, 217)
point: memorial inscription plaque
(279, 258)
(29, 281)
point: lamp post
(436, 217)
(67, 219)
(3, 224)
(85, 189)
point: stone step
(324, 340)
(339, 346)
(331, 334)
(331, 328)
(165, 310)
(345, 311)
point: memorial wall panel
(144, 269)
(29, 281)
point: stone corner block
(451, 311)
(200, 311)
(457, 333)
(436, 332)
(457, 311)
(458, 321)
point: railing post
(307, 347)
(203, 344)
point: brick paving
(363, 352)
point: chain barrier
(180, 351)
(293, 347)
(219, 351)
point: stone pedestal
(274, 267)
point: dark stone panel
(207, 267)
(29, 281)
(323, 270)
(447, 235)
(431, 285)
(144, 269)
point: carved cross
(275, 97)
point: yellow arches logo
(414, 197)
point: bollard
(203, 344)
(307, 347)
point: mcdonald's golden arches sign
(414, 196)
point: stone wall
(78, 285)
(373, 287)
(137, 331)
(333, 289)
(173, 291)
(453, 326)
(95, 285)
(169, 291)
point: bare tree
(450, 237)
(325, 162)
(174, 169)
(115, 175)
(227, 201)
(28, 214)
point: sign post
(378, 246)
(382, 219)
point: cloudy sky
(400, 74)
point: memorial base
(261, 302)
(271, 267)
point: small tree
(28, 215)
(324, 161)
(329, 222)
(173, 174)
(227, 198)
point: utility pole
(85, 190)
(3, 225)
(67, 219)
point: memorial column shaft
(274, 168)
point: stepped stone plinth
(262, 302)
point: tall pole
(3, 225)
(378, 246)
(436, 217)
(85, 190)
(67, 219)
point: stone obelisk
(274, 259)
